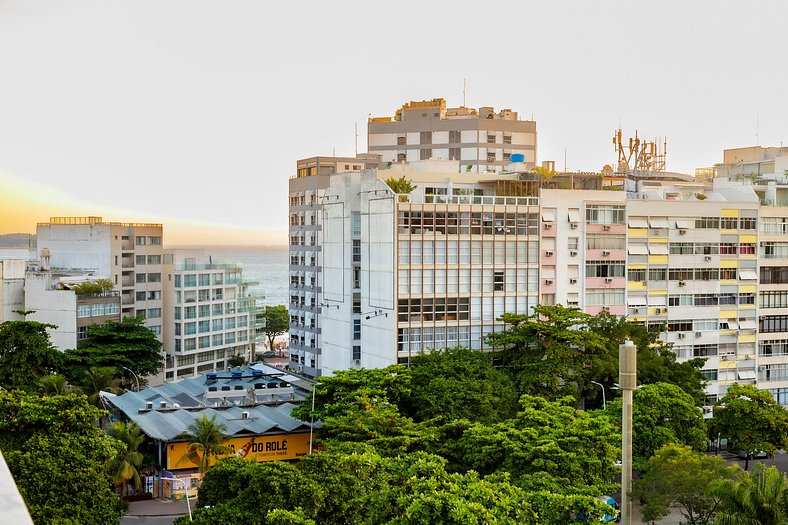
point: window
(402, 141)
(154, 277)
(604, 214)
(140, 241)
(229, 323)
(455, 137)
(204, 310)
(657, 274)
(774, 250)
(140, 278)
(747, 223)
(455, 154)
(154, 240)
(605, 242)
(425, 137)
(83, 310)
(154, 295)
(729, 223)
(356, 303)
(491, 138)
(401, 157)
(356, 353)
(356, 250)
(604, 297)
(635, 275)
(139, 260)
(154, 313)
(708, 223)
(204, 279)
(573, 243)
(605, 269)
(773, 323)
(154, 259)
(774, 224)
(774, 274)
(190, 280)
(139, 296)
(773, 299)
(709, 375)
(507, 139)
(498, 281)
(490, 156)
(356, 329)
(203, 326)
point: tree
(550, 353)
(662, 414)
(547, 445)
(124, 467)
(98, 286)
(277, 322)
(26, 353)
(679, 478)
(57, 456)
(206, 441)
(95, 379)
(400, 185)
(752, 420)
(656, 362)
(117, 344)
(756, 498)
(459, 383)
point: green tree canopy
(753, 498)
(277, 322)
(57, 456)
(662, 414)
(679, 478)
(459, 383)
(115, 344)
(93, 287)
(26, 354)
(551, 353)
(752, 420)
(400, 185)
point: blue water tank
(518, 157)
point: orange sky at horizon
(23, 204)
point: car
(267, 354)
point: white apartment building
(128, 254)
(306, 191)
(209, 316)
(12, 289)
(404, 274)
(480, 140)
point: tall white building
(403, 274)
(128, 254)
(480, 140)
(209, 316)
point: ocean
(265, 265)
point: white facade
(404, 274)
(12, 289)
(128, 254)
(209, 316)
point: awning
(658, 249)
(732, 324)
(657, 300)
(658, 222)
(638, 222)
(746, 374)
(637, 301)
(748, 324)
(637, 249)
(548, 215)
(684, 224)
(574, 215)
(748, 275)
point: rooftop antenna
(464, 91)
(564, 160)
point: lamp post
(627, 378)
(132, 373)
(604, 401)
(186, 490)
(312, 419)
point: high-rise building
(480, 140)
(128, 254)
(435, 268)
(306, 191)
(209, 315)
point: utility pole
(627, 378)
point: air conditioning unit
(548, 281)
(698, 334)
(657, 310)
(606, 227)
(548, 253)
(548, 225)
(573, 253)
(708, 257)
(573, 226)
(637, 310)
(572, 281)
(608, 279)
(644, 283)
(682, 232)
(605, 252)
(605, 308)
(357, 362)
(244, 415)
(724, 357)
(682, 336)
(682, 283)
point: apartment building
(128, 254)
(306, 190)
(209, 316)
(481, 140)
(12, 289)
(55, 298)
(403, 274)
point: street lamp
(312, 420)
(604, 401)
(165, 477)
(627, 377)
(132, 373)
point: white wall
(57, 307)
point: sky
(193, 113)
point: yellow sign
(257, 448)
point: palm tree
(759, 497)
(98, 378)
(206, 440)
(124, 466)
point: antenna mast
(464, 91)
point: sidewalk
(160, 507)
(674, 518)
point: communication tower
(639, 154)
